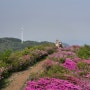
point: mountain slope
(15, 44)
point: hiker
(58, 44)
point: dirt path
(18, 79)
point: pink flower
(87, 61)
(69, 64)
(88, 75)
(51, 84)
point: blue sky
(46, 20)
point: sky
(46, 20)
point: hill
(15, 44)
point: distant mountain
(15, 44)
(65, 44)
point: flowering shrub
(61, 65)
(62, 54)
(73, 79)
(70, 48)
(50, 49)
(38, 54)
(69, 64)
(47, 65)
(64, 64)
(76, 59)
(87, 61)
(51, 84)
(88, 75)
(20, 60)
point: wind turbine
(22, 34)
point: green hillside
(15, 44)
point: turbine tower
(22, 34)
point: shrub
(55, 71)
(83, 73)
(62, 60)
(51, 84)
(5, 55)
(69, 64)
(83, 66)
(83, 52)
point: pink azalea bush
(51, 84)
(58, 78)
(49, 63)
(88, 75)
(87, 61)
(76, 59)
(64, 53)
(69, 64)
